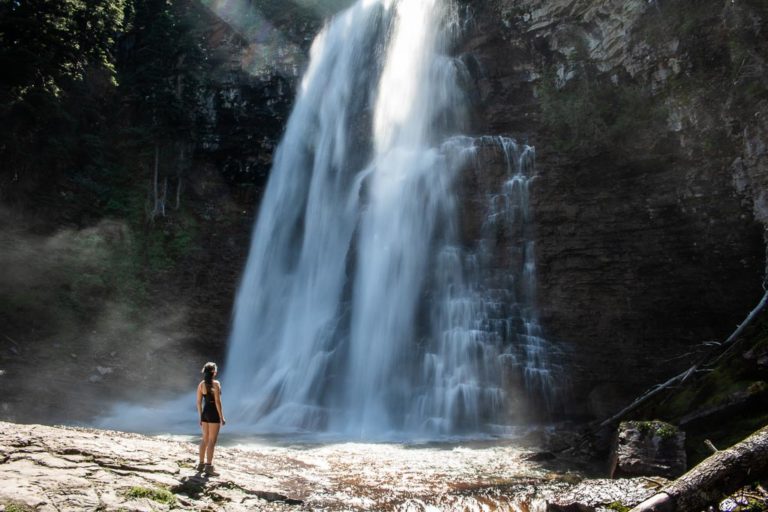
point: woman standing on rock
(211, 416)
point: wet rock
(539, 456)
(599, 494)
(648, 448)
(47, 468)
(648, 245)
(54, 468)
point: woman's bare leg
(204, 440)
(213, 435)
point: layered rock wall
(648, 120)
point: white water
(518, 322)
(358, 312)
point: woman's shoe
(200, 466)
(210, 471)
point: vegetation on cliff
(724, 400)
(113, 114)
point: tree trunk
(178, 193)
(717, 476)
(155, 179)
(164, 198)
(179, 168)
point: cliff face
(649, 122)
(650, 206)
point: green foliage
(751, 499)
(49, 43)
(159, 495)
(657, 428)
(47, 50)
(13, 506)
(92, 89)
(163, 70)
(618, 507)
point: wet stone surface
(62, 468)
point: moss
(618, 507)
(657, 428)
(15, 506)
(753, 505)
(159, 495)
(679, 404)
(732, 373)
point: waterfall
(359, 311)
(517, 322)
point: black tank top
(208, 396)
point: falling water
(518, 322)
(358, 311)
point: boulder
(648, 448)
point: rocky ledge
(62, 468)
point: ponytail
(208, 370)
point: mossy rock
(618, 506)
(656, 428)
(15, 506)
(648, 448)
(159, 495)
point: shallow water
(450, 474)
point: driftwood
(690, 371)
(719, 475)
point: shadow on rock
(193, 486)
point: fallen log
(690, 371)
(717, 476)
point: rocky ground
(61, 468)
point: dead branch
(655, 390)
(711, 446)
(11, 340)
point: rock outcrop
(71, 469)
(48, 468)
(648, 120)
(648, 448)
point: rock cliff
(649, 122)
(650, 206)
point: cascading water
(358, 311)
(516, 318)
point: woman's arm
(199, 406)
(219, 407)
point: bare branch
(690, 371)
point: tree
(47, 49)
(161, 71)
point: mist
(78, 327)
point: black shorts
(210, 414)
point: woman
(211, 416)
